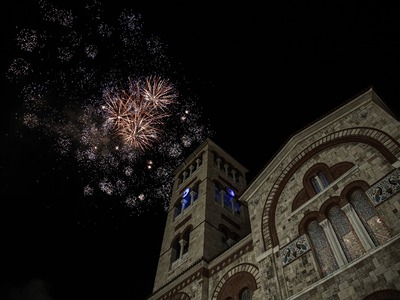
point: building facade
(320, 221)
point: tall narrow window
(322, 249)
(228, 198)
(189, 197)
(180, 247)
(345, 233)
(230, 201)
(319, 182)
(318, 177)
(186, 198)
(185, 238)
(218, 193)
(177, 209)
(175, 249)
(372, 222)
(224, 235)
(245, 294)
(228, 237)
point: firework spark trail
(159, 92)
(69, 73)
(137, 116)
(118, 111)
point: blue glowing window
(186, 202)
(230, 192)
(186, 198)
(186, 192)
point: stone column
(218, 160)
(198, 161)
(334, 242)
(191, 196)
(182, 244)
(355, 221)
(191, 169)
(226, 167)
(234, 175)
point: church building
(320, 221)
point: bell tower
(205, 216)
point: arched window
(218, 192)
(175, 249)
(185, 244)
(224, 234)
(345, 233)
(322, 249)
(189, 196)
(177, 208)
(239, 286)
(186, 198)
(319, 182)
(317, 178)
(351, 229)
(226, 197)
(180, 247)
(373, 223)
(245, 294)
(229, 198)
(231, 203)
(228, 237)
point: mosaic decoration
(294, 250)
(385, 188)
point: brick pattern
(385, 144)
(363, 136)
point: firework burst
(137, 116)
(127, 140)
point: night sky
(249, 76)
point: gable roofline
(361, 98)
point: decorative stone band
(294, 249)
(385, 188)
